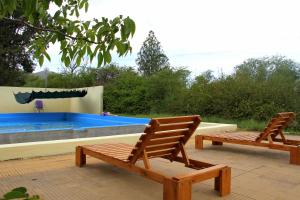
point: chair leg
(295, 155)
(80, 159)
(216, 143)
(199, 142)
(177, 190)
(223, 182)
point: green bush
(19, 193)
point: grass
(245, 124)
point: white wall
(91, 103)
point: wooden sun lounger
(164, 138)
(272, 137)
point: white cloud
(208, 34)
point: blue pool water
(35, 122)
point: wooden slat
(160, 156)
(201, 175)
(169, 134)
(161, 146)
(159, 153)
(192, 129)
(136, 153)
(196, 163)
(156, 135)
(276, 125)
(161, 150)
(175, 126)
(163, 141)
(170, 120)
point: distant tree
(166, 90)
(15, 58)
(110, 72)
(126, 94)
(151, 57)
(32, 80)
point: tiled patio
(257, 173)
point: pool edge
(56, 147)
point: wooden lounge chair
(272, 137)
(163, 138)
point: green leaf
(86, 25)
(58, 2)
(41, 60)
(76, 12)
(89, 51)
(57, 13)
(132, 27)
(20, 189)
(16, 193)
(107, 57)
(53, 38)
(78, 60)
(47, 56)
(63, 44)
(81, 4)
(86, 6)
(67, 61)
(122, 48)
(100, 59)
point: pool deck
(257, 173)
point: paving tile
(257, 174)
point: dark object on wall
(27, 97)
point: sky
(204, 35)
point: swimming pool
(30, 127)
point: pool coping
(56, 147)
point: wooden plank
(202, 174)
(80, 158)
(160, 153)
(177, 190)
(176, 126)
(295, 156)
(180, 119)
(196, 163)
(161, 146)
(128, 166)
(184, 155)
(163, 141)
(172, 133)
(260, 144)
(223, 182)
(136, 153)
(276, 125)
(161, 150)
(192, 129)
(198, 142)
(112, 149)
(146, 160)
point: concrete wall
(91, 103)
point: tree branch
(51, 30)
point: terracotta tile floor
(257, 173)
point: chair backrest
(163, 137)
(276, 125)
